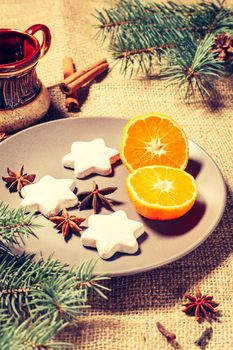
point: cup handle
(46, 42)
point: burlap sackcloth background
(127, 320)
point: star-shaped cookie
(49, 195)
(112, 233)
(90, 157)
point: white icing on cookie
(112, 233)
(49, 195)
(90, 157)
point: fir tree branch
(211, 27)
(15, 224)
(209, 18)
(140, 52)
(196, 71)
(46, 288)
(197, 18)
(135, 12)
(38, 297)
(174, 36)
(159, 28)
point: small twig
(145, 50)
(15, 291)
(128, 23)
(22, 290)
(15, 226)
(85, 284)
(116, 24)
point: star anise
(67, 223)
(223, 46)
(96, 198)
(3, 136)
(200, 305)
(16, 181)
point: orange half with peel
(153, 139)
(161, 192)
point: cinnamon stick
(68, 69)
(84, 71)
(78, 79)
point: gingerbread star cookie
(112, 233)
(49, 195)
(90, 157)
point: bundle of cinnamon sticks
(73, 80)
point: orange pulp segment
(161, 192)
(153, 139)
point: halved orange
(153, 139)
(161, 192)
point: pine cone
(223, 46)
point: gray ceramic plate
(41, 149)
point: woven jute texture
(127, 320)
